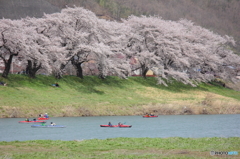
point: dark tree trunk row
(32, 68)
(7, 64)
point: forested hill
(16, 9)
(221, 16)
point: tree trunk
(32, 69)
(100, 69)
(144, 71)
(79, 70)
(57, 74)
(101, 76)
(78, 67)
(7, 64)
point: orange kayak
(150, 116)
(121, 126)
(42, 118)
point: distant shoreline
(188, 111)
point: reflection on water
(80, 128)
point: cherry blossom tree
(71, 33)
(35, 51)
(86, 38)
(141, 47)
(10, 43)
(178, 50)
(54, 42)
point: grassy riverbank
(174, 147)
(91, 96)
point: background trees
(221, 16)
(179, 50)
(176, 50)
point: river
(80, 128)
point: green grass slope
(127, 148)
(91, 96)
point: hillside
(220, 16)
(16, 9)
(91, 96)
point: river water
(80, 128)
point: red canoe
(37, 121)
(42, 118)
(150, 116)
(121, 126)
(125, 126)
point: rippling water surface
(79, 128)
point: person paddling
(46, 115)
(53, 124)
